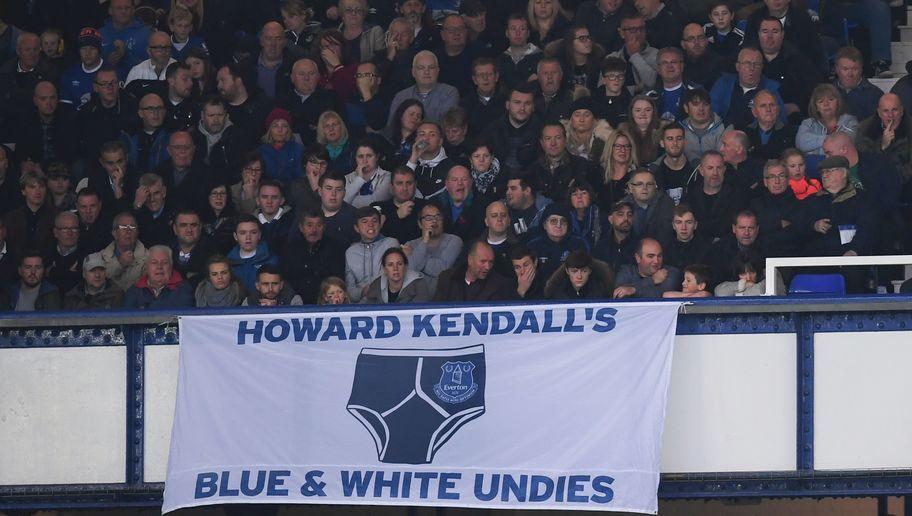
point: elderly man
(552, 98)
(153, 210)
(456, 54)
(888, 134)
(95, 291)
(273, 62)
(18, 78)
(161, 286)
(306, 100)
(777, 209)
(485, 103)
(463, 207)
(148, 146)
(650, 277)
(768, 134)
(125, 257)
(436, 97)
(652, 207)
(149, 75)
(732, 94)
(184, 176)
(476, 280)
(702, 65)
(742, 170)
(670, 88)
(63, 259)
(840, 221)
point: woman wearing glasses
(617, 162)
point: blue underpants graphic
(413, 400)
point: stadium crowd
(163, 154)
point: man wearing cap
(95, 291)
(556, 168)
(650, 277)
(616, 248)
(555, 241)
(76, 82)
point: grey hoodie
(362, 264)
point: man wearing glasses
(733, 94)
(125, 257)
(653, 209)
(149, 146)
(640, 56)
(64, 258)
(106, 115)
(152, 70)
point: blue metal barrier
(804, 317)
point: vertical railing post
(805, 438)
(135, 413)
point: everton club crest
(456, 382)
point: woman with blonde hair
(617, 163)
(332, 132)
(826, 115)
(586, 134)
(546, 21)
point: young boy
(612, 98)
(723, 37)
(251, 252)
(180, 23)
(696, 281)
(363, 259)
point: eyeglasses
(634, 29)
(316, 162)
(622, 146)
(691, 39)
(751, 64)
(431, 218)
(614, 76)
(218, 194)
(776, 177)
(583, 37)
(641, 184)
(557, 221)
(365, 75)
(126, 227)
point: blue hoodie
(136, 41)
(245, 269)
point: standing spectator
(161, 286)
(714, 201)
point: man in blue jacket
(732, 93)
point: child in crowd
(612, 98)
(696, 282)
(363, 260)
(723, 37)
(180, 23)
(796, 165)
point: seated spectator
(514, 136)
(462, 206)
(220, 287)
(474, 281)
(180, 24)
(529, 284)
(741, 169)
(106, 115)
(617, 163)
(29, 226)
(437, 97)
(32, 292)
(300, 28)
(402, 130)
(161, 286)
(76, 81)
(333, 292)
(94, 222)
(397, 283)
(714, 200)
(581, 277)
(586, 135)
(434, 251)
(744, 238)
(649, 278)
(724, 37)
(148, 146)
(671, 85)
(339, 69)
(95, 291)
(826, 115)
(858, 94)
(189, 247)
(751, 279)
(732, 93)
(498, 233)
(801, 185)
(218, 216)
(652, 207)
(251, 252)
(124, 36)
(271, 61)
(244, 193)
(553, 98)
(63, 259)
(639, 55)
(617, 245)
(276, 217)
(60, 189)
(181, 102)
(696, 281)
(149, 75)
(769, 135)
(547, 22)
(673, 172)
(218, 140)
(703, 128)
(247, 106)
(332, 133)
(688, 246)
(525, 203)
(790, 67)
(485, 103)
(368, 183)
(271, 290)
(556, 168)
(429, 160)
(612, 99)
(555, 241)
(585, 216)
(340, 216)
(125, 257)
(183, 175)
(46, 131)
(800, 30)
(518, 62)
(777, 208)
(455, 128)
(889, 134)
(367, 110)
(362, 259)
(642, 127)
(485, 169)
(311, 256)
(702, 64)
(153, 210)
(281, 154)
(305, 191)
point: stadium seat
(833, 284)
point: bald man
(273, 62)
(48, 131)
(887, 133)
(152, 69)
(18, 78)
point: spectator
(518, 63)
(161, 286)
(652, 207)
(60, 189)
(153, 210)
(525, 203)
(670, 87)
(305, 191)
(555, 241)
(10, 191)
(513, 136)
(462, 206)
(795, 73)
(400, 213)
(184, 176)
(688, 247)
(455, 56)
(768, 135)
(272, 61)
(182, 109)
(402, 129)
(777, 209)
(640, 56)
(546, 21)
(247, 107)
(751, 279)
(332, 133)
(220, 287)
(310, 257)
(703, 128)
(603, 18)
(149, 75)
(368, 183)
(415, 12)
(281, 154)
(485, 169)
(732, 94)
(556, 169)
(396, 60)
(552, 98)
(586, 135)
(434, 251)
(46, 131)
(339, 215)
(76, 81)
(107, 114)
(397, 283)
(858, 94)
(724, 37)
(529, 284)
(617, 163)
(499, 235)
(888, 134)
(95, 291)
(29, 226)
(672, 171)
(702, 64)
(744, 238)
(32, 292)
(244, 193)
(429, 160)
(826, 115)
(251, 252)
(696, 282)
(367, 110)
(217, 140)
(191, 250)
(799, 29)
(484, 103)
(581, 277)
(649, 278)
(201, 71)
(217, 217)
(362, 259)
(307, 100)
(436, 97)
(617, 245)
(124, 37)
(180, 24)
(125, 257)
(475, 281)
(801, 185)
(300, 29)
(714, 201)
(63, 259)
(642, 127)
(148, 146)
(612, 99)
(455, 128)
(18, 78)
(332, 292)
(740, 169)
(94, 223)
(271, 289)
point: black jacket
(224, 159)
(99, 125)
(63, 132)
(849, 207)
(499, 134)
(305, 113)
(599, 286)
(714, 214)
(451, 286)
(480, 114)
(305, 266)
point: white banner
(544, 406)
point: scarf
(484, 180)
(207, 295)
(335, 150)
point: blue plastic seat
(832, 284)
